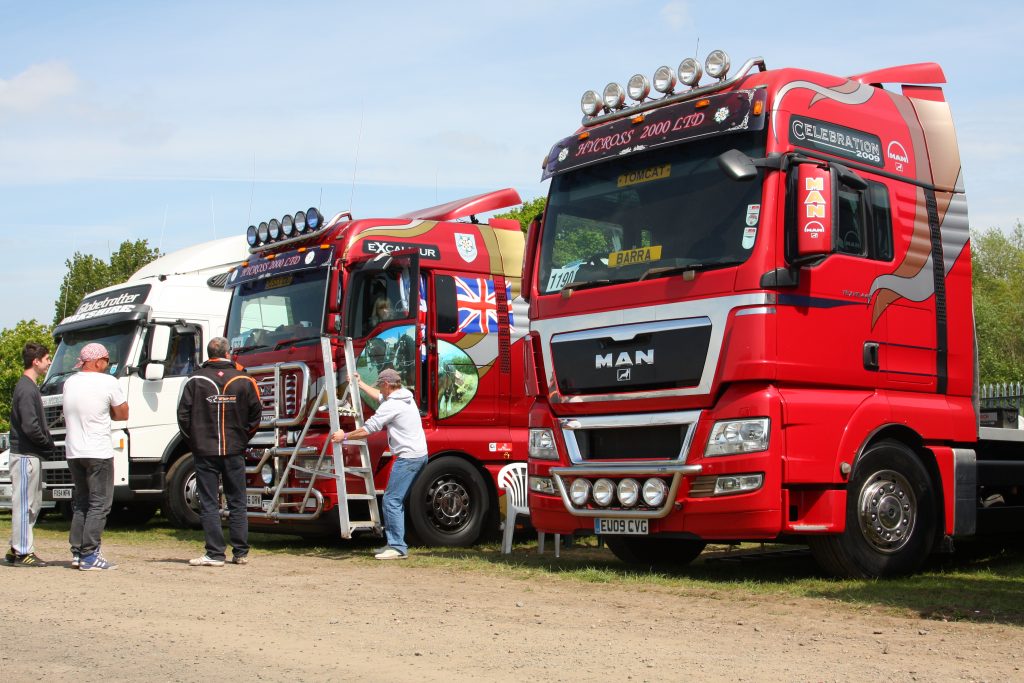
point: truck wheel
(131, 514)
(890, 517)
(448, 503)
(181, 500)
(650, 551)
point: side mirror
(814, 211)
(154, 372)
(159, 343)
(737, 165)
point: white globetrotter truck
(155, 326)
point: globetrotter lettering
(107, 303)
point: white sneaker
(390, 553)
(205, 561)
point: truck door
(465, 327)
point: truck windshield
(116, 338)
(277, 309)
(649, 214)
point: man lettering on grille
(92, 398)
(30, 439)
(398, 414)
(218, 413)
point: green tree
(12, 341)
(526, 212)
(998, 278)
(87, 273)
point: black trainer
(11, 557)
(30, 560)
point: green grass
(981, 583)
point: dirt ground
(311, 618)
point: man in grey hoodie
(397, 413)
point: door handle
(871, 355)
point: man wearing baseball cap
(92, 399)
(398, 414)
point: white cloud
(37, 87)
(677, 14)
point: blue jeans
(210, 471)
(92, 498)
(403, 474)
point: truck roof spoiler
(463, 208)
(925, 73)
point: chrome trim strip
(605, 323)
(677, 97)
(760, 310)
(624, 333)
(302, 398)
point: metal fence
(1003, 395)
(5, 441)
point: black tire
(131, 514)
(636, 550)
(891, 517)
(181, 499)
(448, 504)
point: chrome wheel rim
(449, 504)
(888, 511)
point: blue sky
(181, 122)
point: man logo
(622, 374)
(623, 359)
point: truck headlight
(542, 444)
(654, 492)
(579, 492)
(604, 492)
(729, 437)
(542, 484)
(629, 492)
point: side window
(447, 308)
(183, 354)
(865, 223)
(377, 298)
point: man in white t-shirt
(92, 398)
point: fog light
(590, 103)
(604, 492)
(263, 232)
(654, 492)
(579, 492)
(288, 226)
(267, 474)
(738, 483)
(638, 87)
(614, 96)
(542, 484)
(250, 236)
(689, 72)
(717, 64)
(629, 492)
(664, 79)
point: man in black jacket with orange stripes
(218, 413)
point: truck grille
(626, 443)
(54, 416)
(57, 477)
(289, 390)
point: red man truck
(751, 319)
(433, 294)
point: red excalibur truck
(751, 319)
(428, 294)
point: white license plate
(253, 500)
(622, 527)
(61, 494)
(266, 504)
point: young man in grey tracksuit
(398, 414)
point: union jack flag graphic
(478, 309)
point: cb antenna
(355, 163)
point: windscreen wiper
(250, 347)
(294, 340)
(672, 270)
(585, 285)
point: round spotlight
(590, 103)
(314, 221)
(274, 229)
(300, 221)
(638, 87)
(267, 474)
(717, 64)
(263, 232)
(654, 492)
(604, 492)
(664, 80)
(629, 492)
(689, 72)
(288, 226)
(579, 492)
(250, 236)
(614, 96)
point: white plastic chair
(512, 479)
